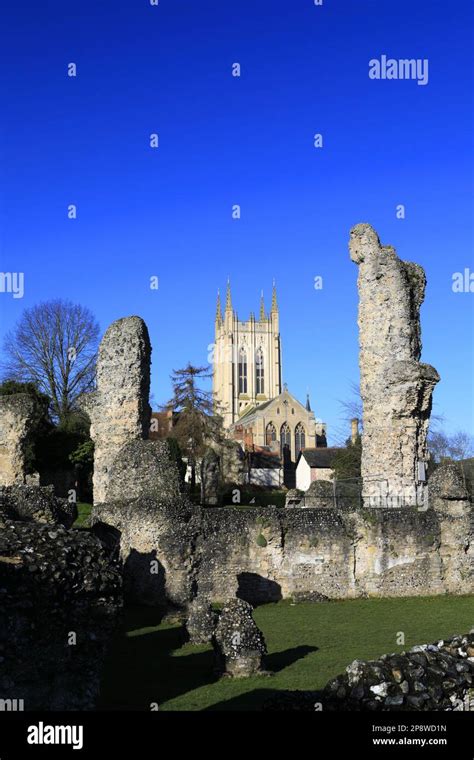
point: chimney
(354, 430)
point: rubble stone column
(16, 421)
(119, 410)
(396, 389)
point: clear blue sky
(247, 140)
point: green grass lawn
(307, 643)
(83, 515)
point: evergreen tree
(198, 420)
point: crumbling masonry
(16, 418)
(396, 388)
(119, 410)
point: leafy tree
(346, 461)
(198, 420)
(54, 346)
(83, 454)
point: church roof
(256, 409)
(322, 457)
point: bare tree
(461, 445)
(352, 408)
(438, 445)
(54, 345)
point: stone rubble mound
(435, 676)
(201, 622)
(239, 644)
(36, 503)
(438, 676)
(60, 594)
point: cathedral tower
(247, 358)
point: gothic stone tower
(247, 358)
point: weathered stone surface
(119, 410)
(16, 421)
(320, 494)
(201, 621)
(446, 482)
(238, 643)
(36, 503)
(293, 497)
(210, 478)
(144, 469)
(232, 462)
(218, 552)
(56, 587)
(396, 388)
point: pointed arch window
(242, 371)
(271, 434)
(299, 438)
(259, 371)
(285, 437)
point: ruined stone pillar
(396, 389)
(119, 410)
(16, 420)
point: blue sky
(224, 140)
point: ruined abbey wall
(173, 551)
(171, 554)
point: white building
(314, 464)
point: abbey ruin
(396, 388)
(411, 537)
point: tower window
(299, 438)
(242, 371)
(260, 383)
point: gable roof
(322, 457)
(255, 409)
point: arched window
(259, 372)
(271, 434)
(242, 371)
(285, 437)
(299, 438)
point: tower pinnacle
(218, 309)
(274, 298)
(262, 306)
(228, 299)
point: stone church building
(247, 382)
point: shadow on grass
(142, 667)
(281, 660)
(272, 700)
